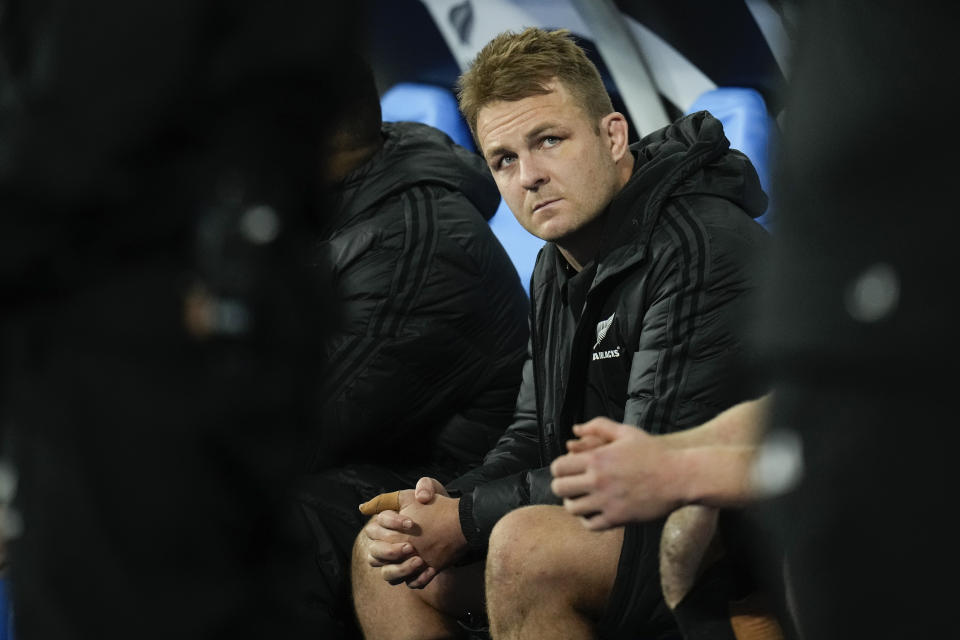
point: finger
(602, 428)
(406, 498)
(423, 579)
(382, 553)
(394, 521)
(383, 502)
(597, 522)
(424, 490)
(427, 488)
(572, 486)
(585, 443)
(397, 573)
(374, 532)
(568, 465)
(584, 506)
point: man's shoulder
(702, 220)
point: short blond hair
(514, 66)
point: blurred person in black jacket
(425, 358)
(160, 340)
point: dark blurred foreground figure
(857, 335)
(425, 359)
(160, 334)
(859, 328)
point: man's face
(554, 169)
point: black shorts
(636, 607)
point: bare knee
(360, 570)
(521, 550)
(687, 546)
(388, 612)
(543, 566)
(547, 547)
(364, 578)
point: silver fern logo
(602, 327)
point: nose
(532, 174)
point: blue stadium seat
(429, 104)
(521, 245)
(747, 125)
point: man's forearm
(740, 425)
(715, 459)
(717, 476)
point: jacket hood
(417, 154)
(692, 156)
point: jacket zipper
(537, 373)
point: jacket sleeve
(425, 330)
(691, 361)
(512, 474)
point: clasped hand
(614, 474)
(413, 545)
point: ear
(614, 126)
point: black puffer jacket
(427, 359)
(657, 342)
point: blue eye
(550, 141)
(505, 161)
